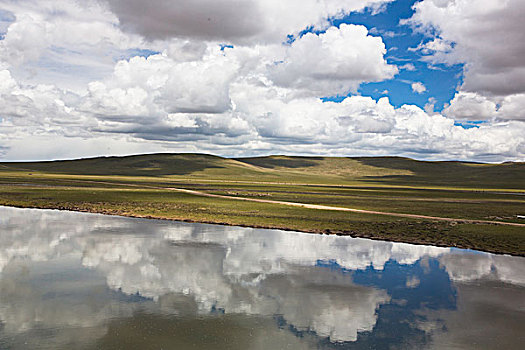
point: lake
(87, 281)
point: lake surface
(86, 281)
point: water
(85, 281)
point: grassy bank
(140, 186)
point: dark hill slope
(401, 171)
(384, 170)
(159, 164)
(451, 173)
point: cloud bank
(242, 78)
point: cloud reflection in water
(66, 272)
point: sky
(426, 79)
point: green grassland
(140, 186)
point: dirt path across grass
(327, 207)
(306, 205)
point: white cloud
(334, 62)
(65, 43)
(408, 66)
(485, 35)
(40, 108)
(513, 107)
(470, 106)
(143, 87)
(418, 87)
(429, 106)
(477, 28)
(437, 48)
(473, 106)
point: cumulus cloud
(475, 106)
(142, 87)
(334, 62)
(477, 28)
(513, 107)
(418, 87)
(470, 106)
(231, 93)
(66, 43)
(471, 32)
(408, 66)
(39, 108)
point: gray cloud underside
(238, 21)
(210, 20)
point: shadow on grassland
(139, 165)
(272, 162)
(451, 173)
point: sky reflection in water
(72, 280)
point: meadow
(476, 199)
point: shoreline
(349, 233)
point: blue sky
(441, 81)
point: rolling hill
(384, 170)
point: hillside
(330, 170)
(401, 171)
(159, 164)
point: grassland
(145, 186)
